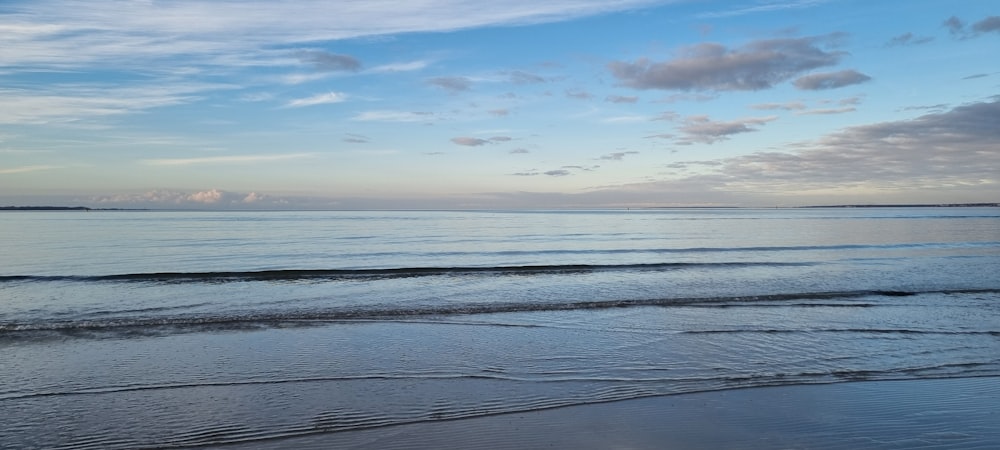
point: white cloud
(319, 99)
(223, 159)
(26, 169)
(212, 196)
(625, 119)
(400, 67)
(767, 6)
(75, 102)
(394, 116)
(49, 33)
(299, 78)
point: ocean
(153, 329)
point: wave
(154, 325)
(339, 419)
(403, 272)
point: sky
(466, 104)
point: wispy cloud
(625, 119)
(394, 116)
(410, 66)
(68, 103)
(790, 106)
(136, 34)
(326, 61)
(300, 78)
(827, 111)
(356, 138)
(240, 159)
(761, 7)
(26, 169)
(469, 141)
(319, 99)
(476, 142)
(617, 156)
(521, 77)
(621, 99)
(451, 84)
(907, 39)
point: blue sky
(509, 104)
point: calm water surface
(152, 329)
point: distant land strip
(906, 205)
(61, 208)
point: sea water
(132, 329)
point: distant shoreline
(63, 208)
(935, 205)
(905, 205)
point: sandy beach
(940, 414)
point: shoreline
(953, 413)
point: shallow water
(151, 329)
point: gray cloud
(954, 25)
(327, 61)
(617, 156)
(499, 112)
(856, 100)
(518, 151)
(790, 106)
(826, 111)
(668, 116)
(476, 142)
(937, 107)
(978, 75)
(989, 24)
(356, 138)
(469, 141)
(560, 172)
(712, 67)
(957, 27)
(519, 77)
(452, 84)
(686, 164)
(830, 80)
(578, 94)
(703, 130)
(674, 98)
(955, 148)
(907, 39)
(620, 99)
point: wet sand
(959, 413)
